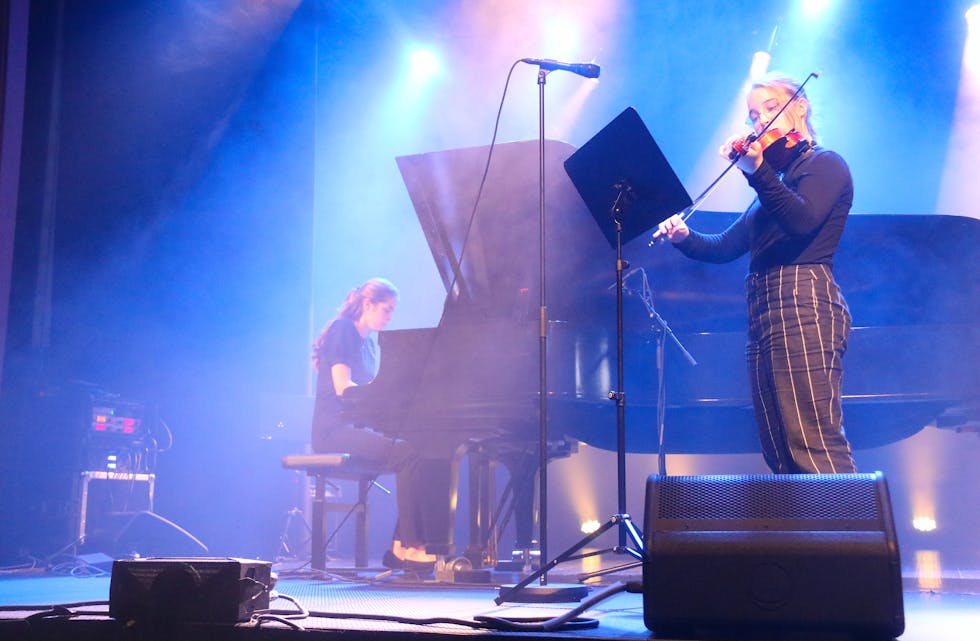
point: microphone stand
(664, 331)
(522, 591)
(542, 343)
(545, 66)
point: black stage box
(771, 555)
(210, 590)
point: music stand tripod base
(512, 593)
(550, 593)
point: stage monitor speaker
(770, 556)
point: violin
(779, 149)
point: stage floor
(368, 604)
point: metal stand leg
(361, 524)
(318, 553)
(513, 594)
(285, 548)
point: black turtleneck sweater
(797, 218)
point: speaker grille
(784, 496)
(774, 556)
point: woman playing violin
(798, 319)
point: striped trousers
(798, 327)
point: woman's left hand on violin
(751, 157)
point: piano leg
(487, 519)
(522, 467)
(437, 482)
(482, 549)
(521, 462)
(480, 493)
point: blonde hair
(788, 86)
(376, 290)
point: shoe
(392, 562)
(418, 567)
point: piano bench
(339, 466)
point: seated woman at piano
(346, 354)
(798, 319)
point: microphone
(587, 70)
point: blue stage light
(973, 15)
(425, 64)
(814, 8)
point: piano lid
(489, 259)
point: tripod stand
(628, 186)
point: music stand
(629, 187)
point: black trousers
(423, 487)
(798, 328)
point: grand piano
(911, 282)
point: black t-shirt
(342, 345)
